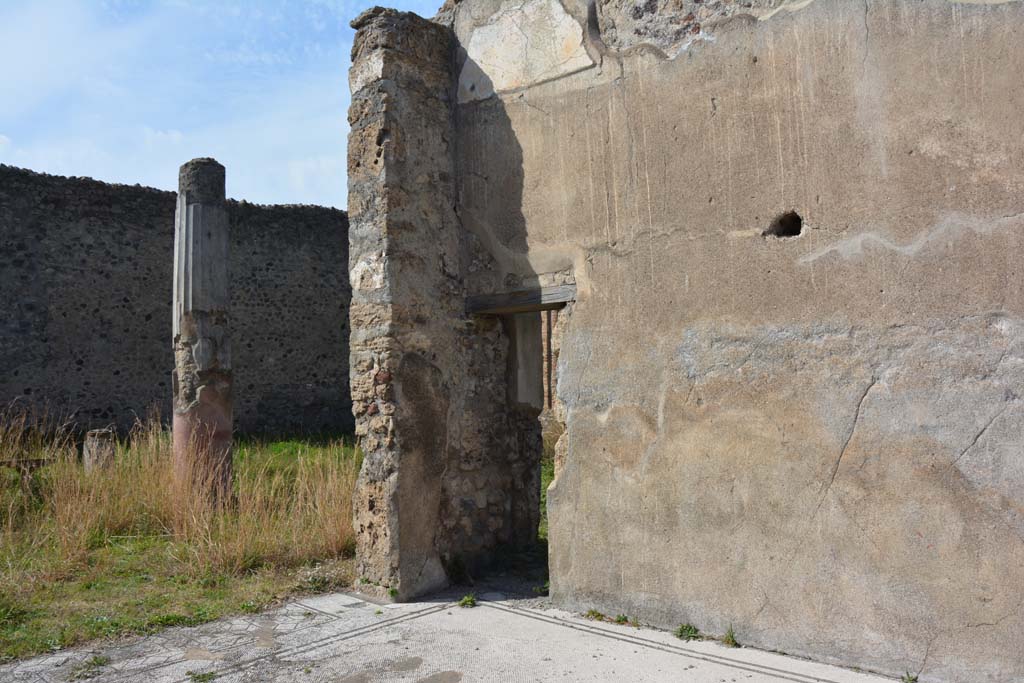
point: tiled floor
(342, 638)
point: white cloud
(4, 141)
(161, 138)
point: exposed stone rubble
(449, 467)
(669, 24)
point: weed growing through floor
(595, 615)
(393, 593)
(688, 632)
(205, 677)
(90, 668)
(729, 639)
(468, 601)
(908, 678)
(543, 590)
(621, 619)
(86, 555)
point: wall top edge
(28, 173)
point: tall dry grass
(282, 514)
(27, 434)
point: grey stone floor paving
(344, 638)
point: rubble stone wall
(85, 305)
(815, 438)
(450, 469)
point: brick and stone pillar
(407, 298)
(445, 403)
(202, 352)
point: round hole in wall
(789, 224)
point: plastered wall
(816, 439)
(85, 305)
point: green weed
(205, 677)
(11, 614)
(547, 475)
(688, 632)
(90, 668)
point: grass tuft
(90, 668)
(729, 639)
(195, 677)
(688, 632)
(468, 600)
(547, 475)
(908, 678)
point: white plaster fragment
(369, 273)
(367, 70)
(522, 45)
(203, 353)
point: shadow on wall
(507, 348)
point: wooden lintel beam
(524, 301)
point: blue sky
(125, 91)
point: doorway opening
(533, 323)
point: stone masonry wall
(814, 439)
(85, 305)
(445, 468)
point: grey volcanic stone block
(99, 448)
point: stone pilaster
(202, 420)
(406, 293)
(451, 467)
